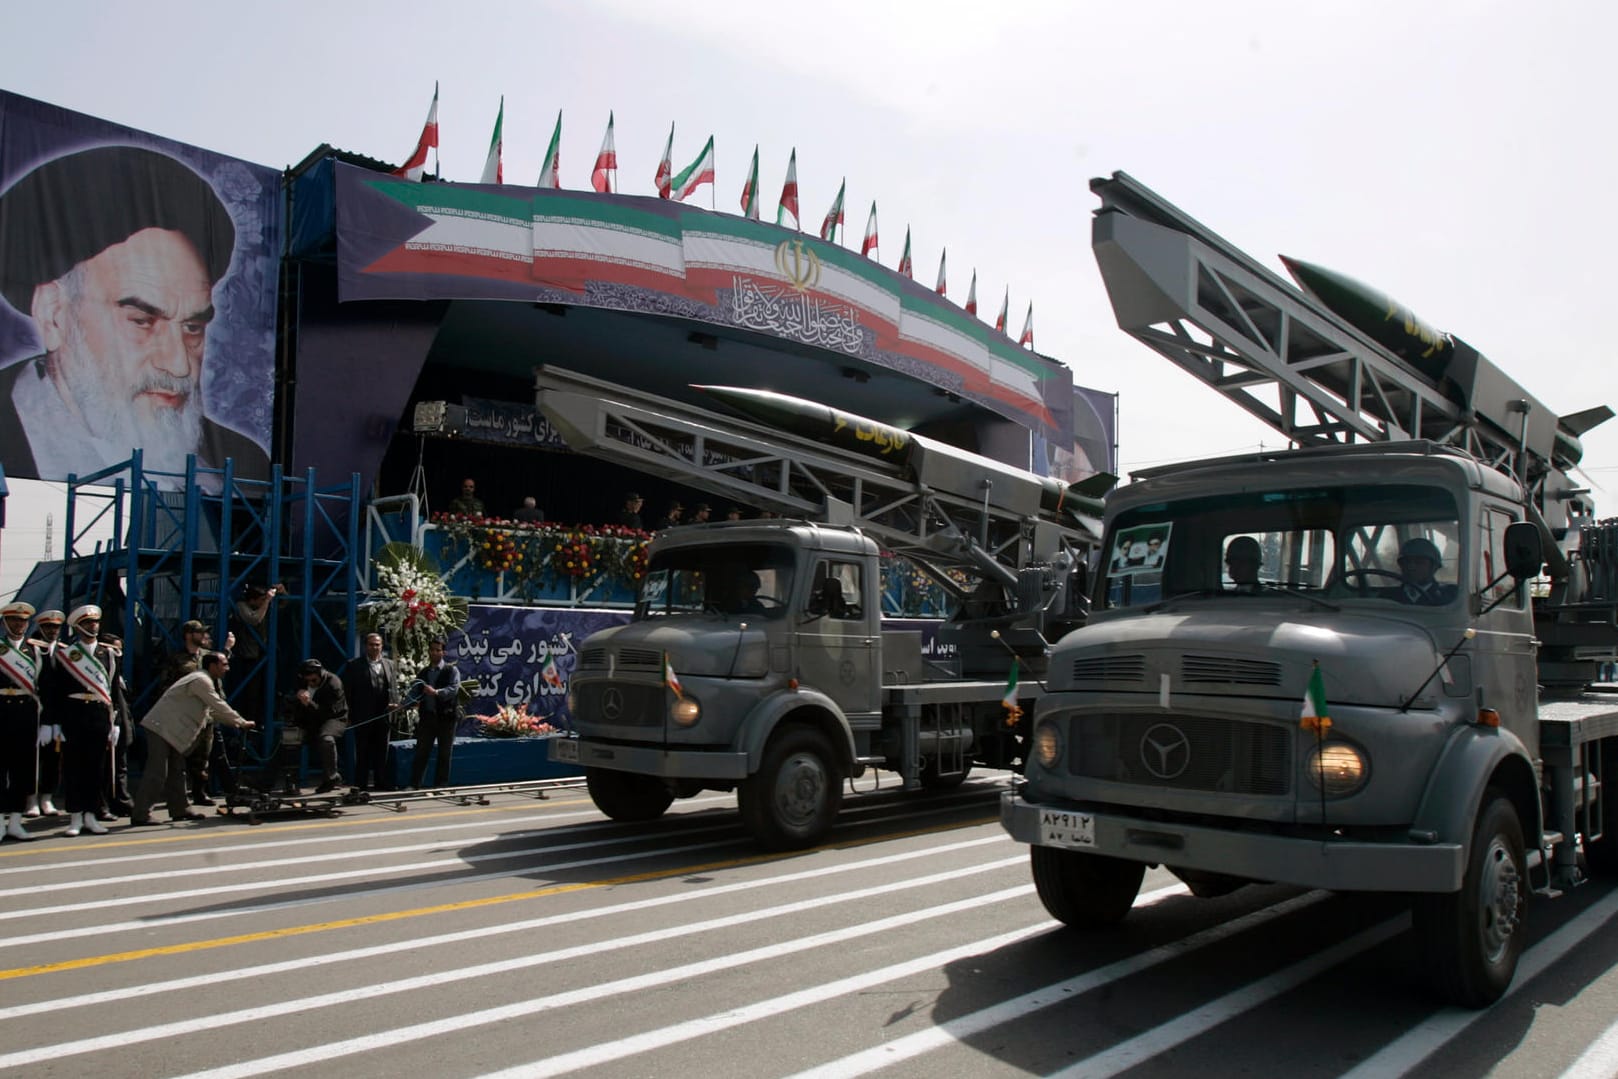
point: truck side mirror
(1524, 555)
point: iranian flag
(1027, 337)
(665, 167)
(606, 162)
(789, 194)
(551, 674)
(696, 174)
(493, 167)
(941, 288)
(671, 679)
(416, 167)
(869, 243)
(1009, 700)
(548, 171)
(972, 295)
(1005, 309)
(904, 259)
(1315, 716)
(750, 190)
(834, 216)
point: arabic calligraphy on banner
(508, 423)
(525, 656)
(787, 312)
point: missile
(922, 459)
(1380, 317)
(1437, 355)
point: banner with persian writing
(401, 240)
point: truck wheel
(626, 796)
(792, 801)
(1085, 891)
(1470, 940)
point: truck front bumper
(1341, 865)
(651, 760)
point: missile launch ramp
(935, 504)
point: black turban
(74, 207)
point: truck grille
(1109, 669)
(620, 705)
(1230, 672)
(1194, 753)
(595, 659)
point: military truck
(758, 659)
(1362, 664)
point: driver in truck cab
(737, 593)
(1242, 560)
(1419, 560)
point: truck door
(837, 637)
(1505, 663)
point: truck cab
(1340, 715)
(743, 631)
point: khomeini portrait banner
(400, 240)
(138, 278)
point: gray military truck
(1359, 665)
(758, 659)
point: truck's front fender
(1473, 759)
(812, 706)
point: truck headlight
(1337, 768)
(1047, 744)
(685, 711)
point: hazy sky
(1458, 156)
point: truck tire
(1470, 940)
(1085, 891)
(627, 797)
(793, 800)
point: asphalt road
(532, 937)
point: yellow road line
(190, 836)
(465, 904)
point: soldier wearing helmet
(1243, 557)
(1419, 562)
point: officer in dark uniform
(47, 628)
(19, 715)
(84, 692)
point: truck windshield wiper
(1285, 591)
(1160, 604)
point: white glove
(112, 735)
(59, 734)
(45, 730)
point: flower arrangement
(529, 555)
(410, 605)
(513, 722)
(574, 555)
(499, 553)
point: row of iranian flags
(681, 185)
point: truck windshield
(1394, 544)
(732, 579)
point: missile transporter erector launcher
(1341, 666)
(758, 659)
